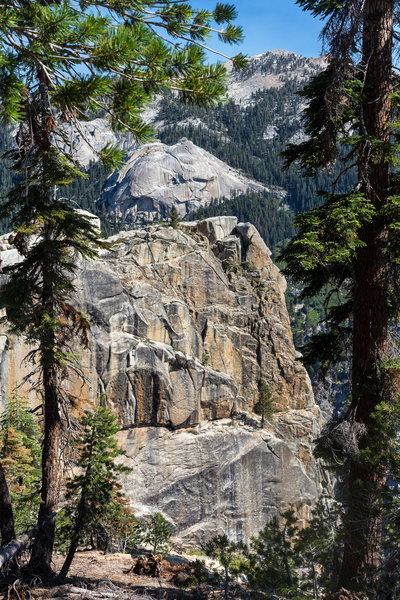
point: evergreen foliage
(82, 192)
(271, 558)
(264, 406)
(234, 134)
(157, 532)
(348, 249)
(318, 548)
(226, 552)
(283, 561)
(174, 219)
(95, 507)
(6, 177)
(20, 454)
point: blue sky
(270, 24)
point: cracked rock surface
(186, 323)
(158, 178)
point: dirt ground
(96, 566)
(96, 576)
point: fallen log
(17, 545)
(71, 592)
(83, 592)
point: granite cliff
(158, 178)
(248, 132)
(185, 324)
(272, 69)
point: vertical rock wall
(185, 325)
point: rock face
(185, 325)
(91, 137)
(271, 69)
(158, 178)
(222, 477)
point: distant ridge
(272, 69)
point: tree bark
(78, 528)
(42, 549)
(370, 309)
(7, 528)
(15, 546)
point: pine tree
(317, 548)
(20, 454)
(348, 248)
(18, 415)
(158, 533)
(225, 551)
(271, 558)
(117, 528)
(264, 406)
(174, 219)
(94, 491)
(61, 62)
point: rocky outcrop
(272, 69)
(224, 476)
(88, 138)
(185, 325)
(158, 178)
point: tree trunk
(51, 476)
(79, 525)
(370, 312)
(285, 559)
(42, 549)
(315, 582)
(7, 529)
(15, 546)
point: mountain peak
(272, 69)
(279, 52)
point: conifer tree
(174, 219)
(62, 62)
(317, 548)
(348, 248)
(94, 490)
(271, 559)
(221, 548)
(264, 405)
(20, 454)
(158, 533)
